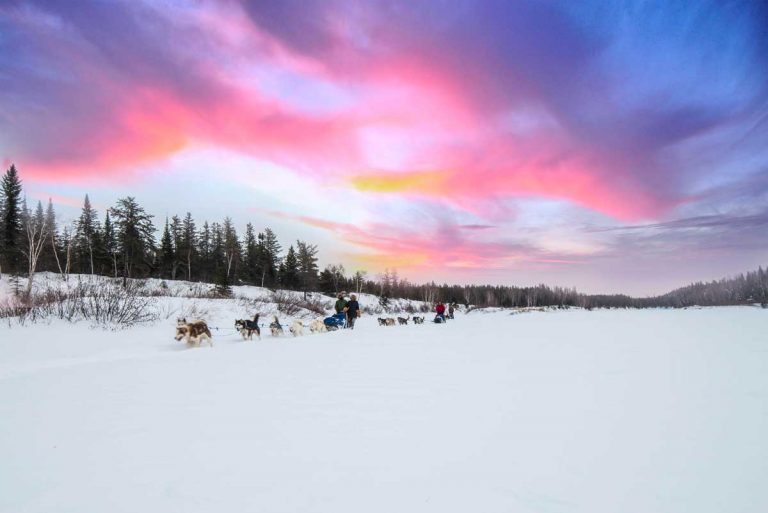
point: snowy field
(572, 411)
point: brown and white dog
(297, 328)
(390, 321)
(248, 328)
(275, 327)
(194, 332)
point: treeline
(123, 243)
(749, 288)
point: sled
(335, 322)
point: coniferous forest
(123, 242)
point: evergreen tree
(167, 255)
(10, 222)
(110, 244)
(251, 256)
(135, 237)
(176, 236)
(231, 249)
(289, 270)
(86, 230)
(269, 254)
(49, 258)
(204, 252)
(307, 259)
(187, 249)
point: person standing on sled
(353, 311)
(440, 310)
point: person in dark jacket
(341, 303)
(353, 311)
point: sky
(611, 146)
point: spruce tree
(307, 258)
(167, 256)
(86, 231)
(231, 249)
(187, 250)
(205, 269)
(50, 259)
(269, 254)
(289, 276)
(10, 220)
(109, 241)
(135, 237)
(251, 257)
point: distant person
(341, 303)
(353, 311)
(450, 311)
(440, 310)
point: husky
(194, 332)
(248, 328)
(403, 320)
(276, 327)
(297, 328)
(418, 320)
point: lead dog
(194, 332)
(248, 328)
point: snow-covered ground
(567, 411)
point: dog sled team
(197, 332)
(441, 315)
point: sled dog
(276, 327)
(297, 328)
(248, 328)
(193, 333)
(317, 326)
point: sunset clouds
(538, 121)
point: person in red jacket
(440, 310)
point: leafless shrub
(292, 304)
(103, 303)
(286, 303)
(193, 311)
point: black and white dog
(418, 320)
(248, 328)
(403, 320)
(276, 327)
